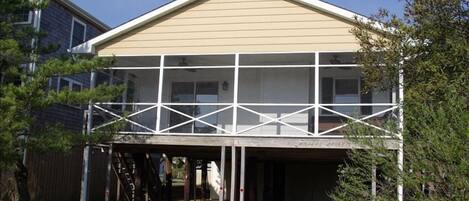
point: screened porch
(307, 94)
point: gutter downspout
(32, 65)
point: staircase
(138, 175)
(125, 169)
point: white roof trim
(89, 46)
(334, 10)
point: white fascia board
(340, 12)
(88, 47)
(334, 10)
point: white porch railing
(243, 107)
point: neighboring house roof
(84, 14)
(88, 47)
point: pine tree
(24, 93)
(430, 45)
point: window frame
(357, 78)
(194, 94)
(70, 83)
(29, 21)
(346, 78)
(74, 19)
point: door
(194, 92)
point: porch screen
(366, 98)
(327, 89)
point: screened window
(276, 59)
(199, 60)
(78, 33)
(337, 58)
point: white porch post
(235, 95)
(221, 195)
(160, 94)
(242, 173)
(316, 93)
(86, 150)
(373, 181)
(233, 173)
(400, 154)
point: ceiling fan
(183, 63)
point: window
(194, 92)
(23, 17)
(78, 33)
(64, 83)
(67, 83)
(341, 91)
(347, 91)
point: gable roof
(89, 46)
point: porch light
(225, 86)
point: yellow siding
(229, 26)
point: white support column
(400, 152)
(235, 95)
(32, 66)
(222, 174)
(160, 94)
(233, 173)
(316, 93)
(242, 173)
(86, 150)
(373, 182)
(37, 13)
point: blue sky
(115, 12)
